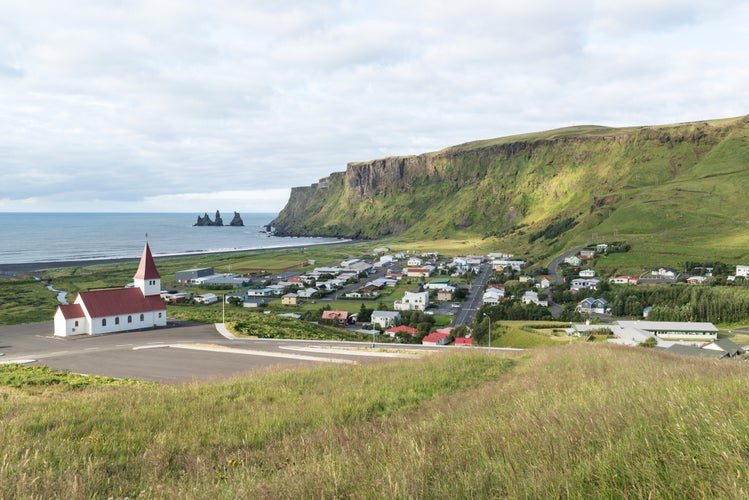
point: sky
(187, 106)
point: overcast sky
(188, 106)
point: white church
(116, 310)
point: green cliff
(686, 181)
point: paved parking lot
(179, 353)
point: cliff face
(505, 185)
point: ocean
(59, 237)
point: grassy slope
(592, 421)
(674, 191)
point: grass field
(580, 421)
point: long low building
(666, 333)
(675, 330)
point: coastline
(12, 269)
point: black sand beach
(7, 270)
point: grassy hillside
(581, 421)
(674, 191)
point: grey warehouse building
(185, 277)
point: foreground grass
(584, 421)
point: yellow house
(290, 299)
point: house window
(141, 317)
(116, 321)
(129, 319)
(104, 322)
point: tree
(365, 314)
(460, 331)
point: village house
(446, 294)
(727, 346)
(238, 297)
(591, 305)
(587, 254)
(665, 272)
(401, 331)
(440, 336)
(340, 318)
(493, 295)
(573, 260)
(531, 297)
(437, 284)
(578, 284)
(742, 271)
(253, 303)
(464, 341)
(696, 280)
(623, 280)
(414, 262)
(502, 264)
(587, 273)
(544, 283)
(206, 298)
(98, 312)
(306, 293)
(412, 301)
(385, 319)
(418, 272)
(290, 299)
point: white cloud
(130, 105)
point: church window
(116, 321)
(104, 322)
(141, 317)
(159, 315)
(129, 319)
(76, 322)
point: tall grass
(580, 421)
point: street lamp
(489, 346)
(223, 310)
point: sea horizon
(50, 237)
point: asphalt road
(179, 353)
(465, 315)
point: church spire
(147, 268)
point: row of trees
(671, 303)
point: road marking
(17, 362)
(354, 352)
(252, 352)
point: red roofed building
(401, 329)
(339, 318)
(441, 336)
(118, 309)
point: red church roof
(118, 301)
(146, 268)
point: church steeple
(147, 277)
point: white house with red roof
(116, 310)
